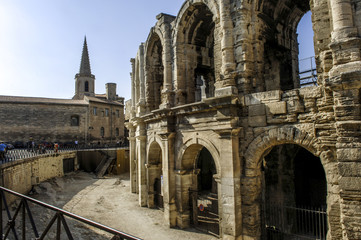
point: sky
(41, 42)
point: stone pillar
(167, 92)
(230, 192)
(183, 185)
(345, 43)
(227, 85)
(132, 77)
(170, 209)
(348, 125)
(132, 159)
(141, 103)
(345, 81)
(141, 139)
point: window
(102, 131)
(94, 111)
(74, 120)
(117, 132)
(106, 112)
(86, 86)
(118, 113)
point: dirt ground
(107, 201)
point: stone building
(88, 117)
(223, 137)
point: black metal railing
(22, 153)
(18, 228)
(307, 72)
(301, 223)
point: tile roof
(17, 99)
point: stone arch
(189, 178)
(276, 136)
(279, 20)
(252, 176)
(154, 68)
(197, 45)
(192, 146)
(154, 174)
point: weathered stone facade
(65, 120)
(220, 81)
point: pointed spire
(85, 63)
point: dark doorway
(158, 198)
(205, 199)
(294, 194)
(68, 165)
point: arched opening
(86, 86)
(294, 194)
(155, 176)
(203, 190)
(197, 43)
(154, 73)
(281, 48)
(102, 132)
(306, 55)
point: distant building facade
(222, 136)
(88, 117)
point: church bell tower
(84, 80)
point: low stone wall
(21, 175)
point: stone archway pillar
(170, 209)
(183, 180)
(132, 160)
(141, 140)
(230, 185)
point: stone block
(349, 154)
(350, 183)
(256, 110)
(257, 121)
(276, 108)
(257, 98)
(347, 169)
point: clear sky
(41, 42)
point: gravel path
(108, 201)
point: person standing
(2, 151)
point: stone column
(345, 81)
(132, 159)
(167, 92)
(230, 192)
(170, 209)
(141, 103)
(345, 43)
(132, 75)
(183, 180)
(348, 125)
(227, 85)
(141, 139)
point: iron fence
(17, 227)
(307, 72)
(294, 223)
(22, 153)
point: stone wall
(42, 121)
(21, 175)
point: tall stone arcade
(224, 137)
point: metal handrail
(22, 153)
(59, 216)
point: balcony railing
(307, 72)
(18, 227)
